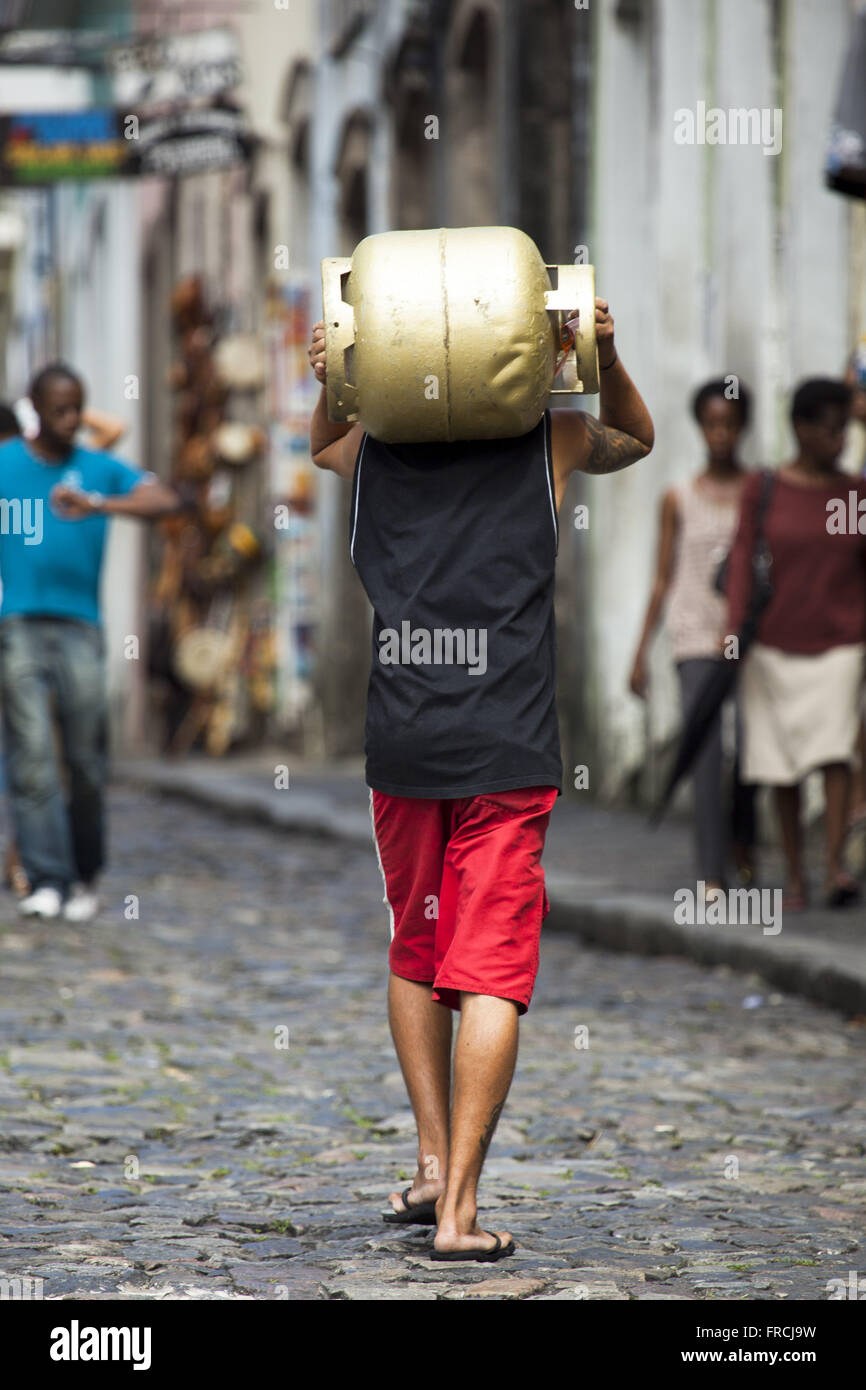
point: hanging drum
(237, 443)
(201, 657)
(239, 362)
(454, 333)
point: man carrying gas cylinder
(455, 545)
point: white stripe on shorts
(385, 899)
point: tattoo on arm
(609, 449)
(491, 1125)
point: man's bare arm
(607, 450)
(623, 432)
(147, 501)
(105, 430)
(333, 445)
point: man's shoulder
(81, 453)
(99, 463)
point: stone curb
(306, 811)
(640, 924)
(645, 926)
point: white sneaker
(45, 902)
(82, 904)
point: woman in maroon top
(802, 677)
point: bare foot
(475, 1240)
(421, 1192)
(455, 1234)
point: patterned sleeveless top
(696, 613)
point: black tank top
(455, 545)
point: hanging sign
(41, 147)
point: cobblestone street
(159, 1140)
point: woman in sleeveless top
(697, 524)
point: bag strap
(761, 560)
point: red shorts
(465, 887)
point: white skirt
(798, 712)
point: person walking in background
(801, 681)
(56, 497)
(103, 431)
(697, 523)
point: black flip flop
(422, 1214)
(496, 1252)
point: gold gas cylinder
(453, 333)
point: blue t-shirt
(51, 564)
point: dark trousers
(716, 820)
(52, 680)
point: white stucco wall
(716, 259)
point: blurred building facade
(508, 85)
(562, 119)
(243, 233)
(713, 257)
(557, 117)
(73, 293)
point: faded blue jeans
(52, 676)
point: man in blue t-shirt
(55, 498)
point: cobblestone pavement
(158, 1142)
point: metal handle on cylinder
(339, 320)
(575, 289)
